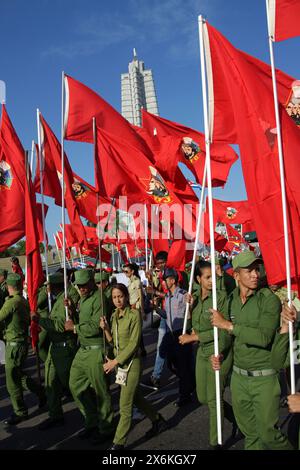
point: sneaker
(158, 426)
(51, 423)
(15, 419)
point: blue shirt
(174, 309)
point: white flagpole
(284, 204)
(195, 245)
(41, 164)
(63, 187)
(146, 235)
(31, 158)
(58, 254)
(113, 256)
(211, 223)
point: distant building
(137, 91)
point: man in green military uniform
(255, 316)
(225, 282)
(15, 316)
(63, 347)
(3, 294)
(87, 379)
(102, 282)
(43, 312)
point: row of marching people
(88, 345)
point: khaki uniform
(15, 316)
(225, 283)
(205, 376)
(63, 347)
(87, 376)
(254, 383)
(127, 326)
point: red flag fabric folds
(242, 85)
(230, 212)
(284, 19)
(34, 265)
(51, 145)
(176, 142)
(12, 177)
(83, 104)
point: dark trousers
(180, 360)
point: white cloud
(172, 23)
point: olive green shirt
(55, 323)
(126, 330)
(16, 318)
(42, 302)
(90, 312)
(280, 354)
(135, 292)
(254, 326)
(202, 326)
(109, 303)
(225, 283)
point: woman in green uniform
(203, 333)
(125, 335)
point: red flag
(83, 104)
(34, 265)
(85, 194)
(243, 86)
(180, 143)
(284, 19)
(12, 177)
(123, 170)
(39, 220)
(52, 146)
(233, 235)
(228, 212)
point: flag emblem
(190, 149)
(79, 189)
(156, 187)
(231, 213)
(293, 103)
(6, 177)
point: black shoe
(99, 438)
(87, 433)
(116, 447)
(152, 383)
(42, 401)
(51, 423)
(216, 447)
(158, 426)
(182, 402)
(15, 419)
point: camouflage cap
(83, 276)
(13, 280)
(55, 279)
(103, 276)
(245, 259)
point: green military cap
(245, 259)
(103, 276)
(55, 279)
(13, 280)
(83, 276)
(3, 271)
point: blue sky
(92, 41)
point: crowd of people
(96, 331)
